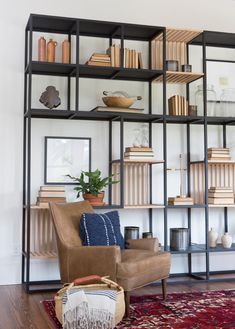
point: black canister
(147, 235)
(131, 232)
(179, 238)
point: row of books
(177, 105)
(138, 153)
(218, 153)
(50, 193)
(132, 58)
(220, 195)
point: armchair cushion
(101, 229)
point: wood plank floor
(19, 310)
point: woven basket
(105, 284)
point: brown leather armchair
(131, 268)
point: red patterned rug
(197, 310)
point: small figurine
(50, 98)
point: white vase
(226, 240)
(212, 238)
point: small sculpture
(50, 98)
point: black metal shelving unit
(122, 31)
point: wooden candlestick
(42, 49)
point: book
(101, 55)
(110, 52)
(48, 199)
(98, 63)
(221, 200)
(218, 155)
(180, 199)
(95, 59)
(139, 153)
(52, 188)
(140, 60)
(46, 204)
(220, 149)
(51, 194)
(221, 188)
(220, 194)
(138, 149)
(117, 109)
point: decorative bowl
(118, 101)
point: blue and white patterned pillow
(101, 229)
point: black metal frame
(122, 31)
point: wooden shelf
(180, 77)
(221, 205)
(214, 162)
(179, 35)
(43, 255)
(146, 206)
(151, 161)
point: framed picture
(66, 155)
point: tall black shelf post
(225, 208)
(77, 65)
(205, 154)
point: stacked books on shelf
(50, 193)
(177, 105)
(99, 60)
(139, 153)
(132, 59)
(218, 154)
(220, 195)
(180, 201)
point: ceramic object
(212, 238)
(93, 199)
(172, 65)
(42, 49)
(186, 68)
(65, 52)
(226, 240)
(50, 98)
(51, 50)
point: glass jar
(211, 100)
(227, 102)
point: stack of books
(50, 193)
(132, 59)
(180, 201)
(177, 105)
(220, 195)
(99, 60)
(139, 153)
(218, 154)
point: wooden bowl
(116, 101)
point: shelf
(118, 73)
(186, 206)
(43, 255)
(93, 28)
(216, 39)
(55, 69)
(194, 248)
(179, 35)
(214, 162)
(146, 206)
(180, 77)
(220, 248)
(92, 115)
(93, 72)
(150, 161)
(184, 119)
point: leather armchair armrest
(100, 260)
(151, 244)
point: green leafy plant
(91, 182)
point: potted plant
(91, 185)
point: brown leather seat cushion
(140, 267)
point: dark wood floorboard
(19, 310)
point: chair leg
(164, 288)
(127, 303)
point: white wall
(212, 14)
